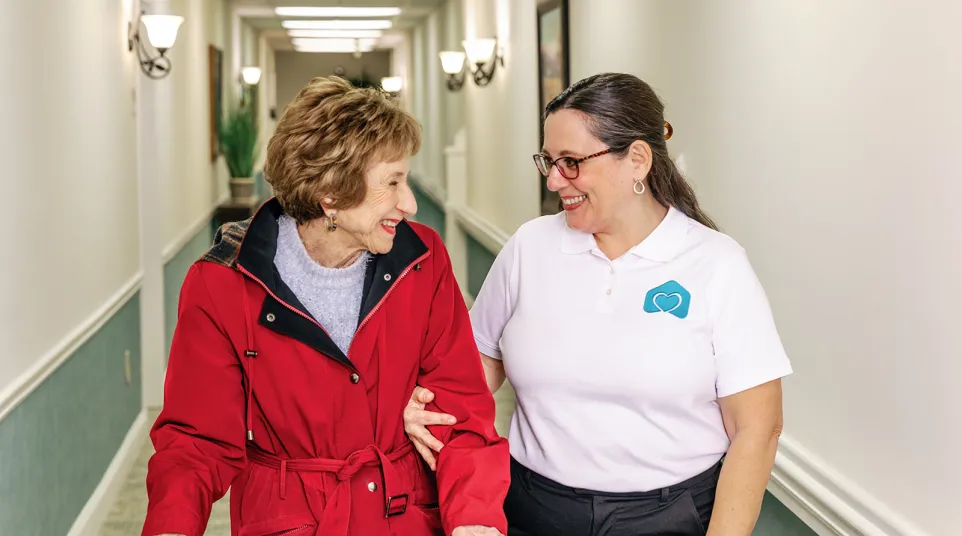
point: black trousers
(538, 506)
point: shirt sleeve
(748, 349)
(496, 300)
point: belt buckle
(390, 508)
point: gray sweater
(331, 295)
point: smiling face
(602, 191)
(389, 199)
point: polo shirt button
(371, 486)
(608, 292)
(355, 378)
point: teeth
(574, 200)
(389, 223)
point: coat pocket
(294, 525)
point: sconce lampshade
(452, 61)
(162, 30)
(479, 50)
(252, 75)
(392, 84)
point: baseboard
(94, 513)
(827, 502)
(172, 249)
(15, 393)
(481, 229)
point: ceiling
(260, 15)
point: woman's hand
(416, 420)
(476, 530)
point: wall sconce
(251, 75)
(484, 56)
(161, 34)
(392, 84)
(452, 62)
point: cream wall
(501, 129)
(67, 141)
(824, 137)
(195, 183)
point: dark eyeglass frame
(571, 165)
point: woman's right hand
(416, 421)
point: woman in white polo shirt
(638, 338)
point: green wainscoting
(775, 519)
(174, 273)
(480, 260)
(778, 520)
(57, 444)
(429, 212)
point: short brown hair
(327, 138)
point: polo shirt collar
(662, 245)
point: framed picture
(215, 58)
(552, 72)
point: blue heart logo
(670, 297)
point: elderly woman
(300, 337)
(639, 340)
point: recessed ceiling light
(346, 34)
(336, 24)
(337, 11)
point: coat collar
(250, 246)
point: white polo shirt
(618, 365)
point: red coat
(311, 441)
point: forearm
(742, 483)
(493, 372)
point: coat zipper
(388, 293)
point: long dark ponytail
(622, 109)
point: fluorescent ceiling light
(343, 34)
(333, 45)
(337, 11)
(331, 50)
(305, 42)
(336, 24)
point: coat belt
(335, 517)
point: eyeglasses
(567, 166)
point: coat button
(371, 486)
(270, 317)
(387, 277)
(355, 378)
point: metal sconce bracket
(154, 67)
(456, 81)
(482, 76)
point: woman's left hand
(476, 530)
(416, 421)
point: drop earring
(331, 222)
(641, 183)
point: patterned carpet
(126, 518)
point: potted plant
(238, 141)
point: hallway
(821, 138)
